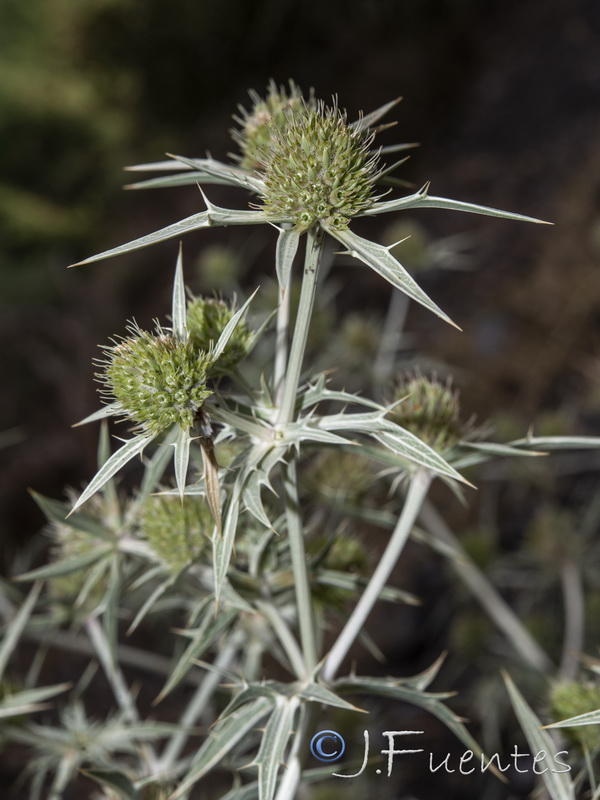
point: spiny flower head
(206, 320)
(430, 410)
(157, 379)
(177, 532)
(258, 124)
(317, 167)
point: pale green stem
(574, 605)
(295, 528)
(281, 342)
(298, 556)
(197, 705)
(314, 248)
(417, 492)
(494, 604)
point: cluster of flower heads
(318, 168)
(430, 410)
(159, 379)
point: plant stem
(417, 492)
(281, 342)
(494, 604)
(574, 605)
(314, 248)
(298, 555)
(197, 705)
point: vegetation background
(504, 98)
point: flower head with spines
(158, 379)
(317, 167)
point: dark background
(504, 98)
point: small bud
(429, 410)
(206, 320)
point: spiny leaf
(114, 779)
(383, 262)
(66, 565)
(230, 328)
(421, 199)
(109, 410)
(178, 313)
(182, 458)
(285, 252)
(558, 783)
(17, 626)
(124, 454)
(222, 739)
(211, 481)
(273, 745)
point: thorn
(424, 189)
(391, 246)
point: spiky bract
(157, 379)
(318, 168)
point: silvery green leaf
(591, 718)
(559, 442)
(158, 166)
(211, 626)
(109, 410)
(271, 754)
(230, 328)
(57, 512)
(319, 392)
(351, 582)
(494, 449)
(30, 700)
(223, 542)
(115, 780)
(399, 690)
(129, 450)
(285, 252)
(317, 693)
(223, 737)
(151, 601)
(383, 262)
(242, 422)
(178, 304)
(228, 174)
(66, 565)
(214, 216)
(558, 784)
(186, 179)
(182, 457)
(366, 122)
(17, 626)
(409, 446)
(421, 199)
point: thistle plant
(233, 553)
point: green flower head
(156, 378)
(206, 320)
(318, 168)
(265, 116)
(178, 532)
(430, 410)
